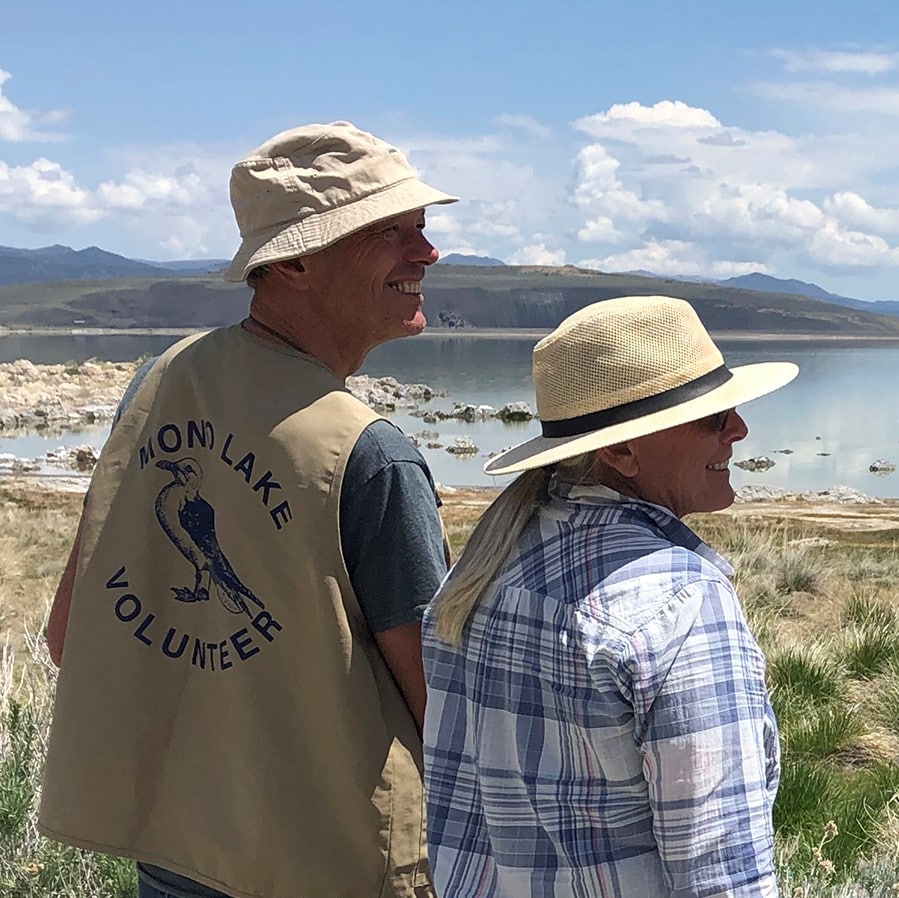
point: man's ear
(621, 458)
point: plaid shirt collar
(662, 520)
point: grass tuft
(823, 733)
(798, 570)
(868, 650)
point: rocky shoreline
(49, 400)
(53, 399)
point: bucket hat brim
(293, 239)
(746, 383)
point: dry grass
(821, 594)
(36, 533)
(461, 510)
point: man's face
(370, 281)
(685, 468)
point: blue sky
(709, 138)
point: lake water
(837, 417)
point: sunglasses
(718, 421)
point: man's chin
(415, 325)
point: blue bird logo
(189, 522)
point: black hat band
(639, 408)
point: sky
(701, 139)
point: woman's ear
(620, 458)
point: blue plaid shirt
(604, 728)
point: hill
(62, 263)
(463, 259)
(535, 296)
(457, 297)
(768, 284)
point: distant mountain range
(463, 259)
(768, 284)
(58, 287)
(758, 281)
(62, 263)
(458, 298)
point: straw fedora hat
(624, 368)
(311, 186)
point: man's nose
(423, 251)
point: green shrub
(798, 678)
(812, 795)
(887, 703)
(866, 609)
(30, 865)
(868, 650)
(822, 734)
(799, 808)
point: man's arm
(59, 614)
(392, 544)
(401, 648)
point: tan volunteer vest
(222, 709)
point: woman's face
(686, 468)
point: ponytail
(487, 550)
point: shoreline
(466, 333)
(748, 499)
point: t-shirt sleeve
(132, 388)
(390, 528)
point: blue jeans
(145, 890)
(154, 882)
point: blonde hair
(493, 539)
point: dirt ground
(880, 516)
(37, 526)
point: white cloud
(510, 190)
(840, 61)
(463, 249)
(439, 223)
(845, 248)
(172, 200)
(18, 125)
(672, 258)
(44, 196)
(692, 195)
(525, 123)
(665, 114)
(600, 230)
(141, 189)
(759, 211)
(832, 96)
(855, 212)
(537, 254)
(176, 196)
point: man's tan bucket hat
(624, 368)
(308, 187)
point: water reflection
(837, 417)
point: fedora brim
(290, 240)
(748, 382)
